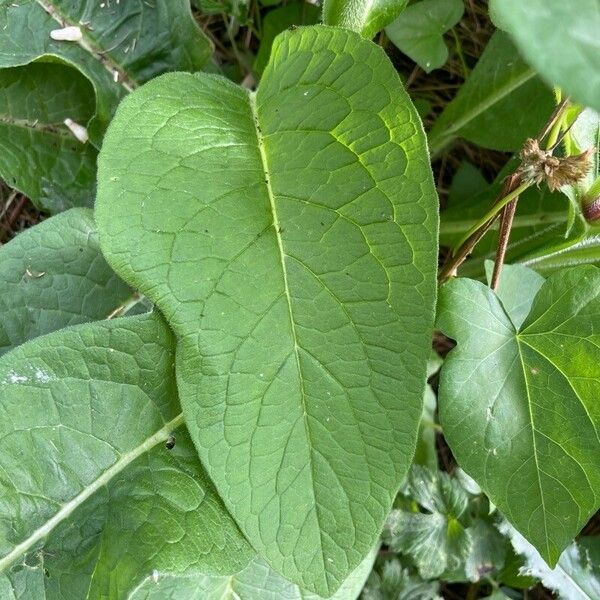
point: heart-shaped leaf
(518, 404)
(116, 46)
(94, 496)
(419, 31)
(52, 276)
(289, 237)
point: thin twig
(506, 221)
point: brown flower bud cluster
(539, 165)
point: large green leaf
(122, 44)
(256, 582)
(365, 17)
(52, 276)
(38, 154)
(419, 31)
(518, 404)
(92, 500)
(560, 39)
(501, 104)
(289, 237)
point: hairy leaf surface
(289, 237)
(92, 501)
(53, 275)
(559, 39)
(500, 105)
(518, 404)
(365, 17)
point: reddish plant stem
(506, 221)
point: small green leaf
(53, 275)
(367, 18)
(501, 104)
(518, 404)
(289, 236)
(93, 501)
(576, 576)
(559, 39)
(419, 31)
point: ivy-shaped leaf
(365, 17)
(100, 484)
(500, 105)
(559, 39)
(289, 236)
(518, 402)
(116, 46)
(53, 275)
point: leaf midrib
(87, 44)
(55, 129)
(68, 508)
(535, 452)
(282, 255)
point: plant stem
(506, 221)
(498, 206)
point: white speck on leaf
(155, 576)
(42, 376)
(15, 378)
(67, 34)
(79, 131)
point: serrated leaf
(122, 45)
(528, 396)
(559, 39)
(367, 18)
(256, 582)
(92, 499)
(576, 575)
(419, 31)
(500, 105)
(52, 276)
(289, 238)
(436, 540)
(39, 155)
